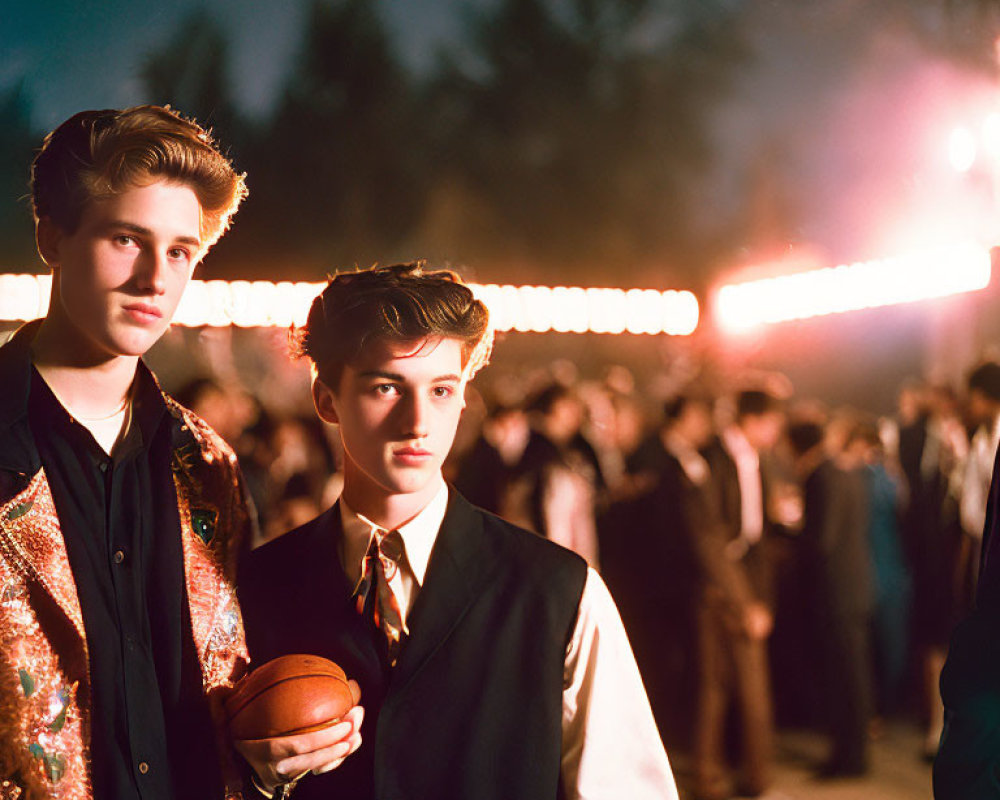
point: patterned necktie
(374, 598)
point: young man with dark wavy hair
(492, 662)
(121, 513)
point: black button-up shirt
(151, 732)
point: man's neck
(386, 510)
(89, 385)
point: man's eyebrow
(398, 378)
(379, 373)
(121, 224)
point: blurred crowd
(775, 561)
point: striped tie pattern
(374, 597)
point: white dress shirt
(568, 511)
(610, 745)
(748, 474)
(692, 462)
(976, 478)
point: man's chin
(412, 484)
(135, 343)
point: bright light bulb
(962, 149)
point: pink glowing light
(932, 273)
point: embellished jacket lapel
(215, 517)
(31, 539)
(208, 508)
(43, 684)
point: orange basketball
(291, 694)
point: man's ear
(47, 238)
(324, 402)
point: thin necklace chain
(120, 410)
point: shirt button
(119, 556)
(143, 767)
(104, 466)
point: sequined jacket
(44, 692)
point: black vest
(473, 708)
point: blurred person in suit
(656, 591)
(483, 474)
(967, 764)
(892, 582)
(974, 475)
(837, 560)
(930, 445)
(736, 618)
(554, 487)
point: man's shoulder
(212, 446)
(513, 545)
(321, 531)
(15, 377)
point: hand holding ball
(290, 695)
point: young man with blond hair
(492, 663)
(121, 513)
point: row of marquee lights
(740, 306)
(250, 304)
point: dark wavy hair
(97, 154)
(400, 302)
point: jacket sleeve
(823, 509)
(967, 766)
(710, 537)
(989, 567)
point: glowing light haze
(932, 273)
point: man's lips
(144, 312)
(413, 452)
(411, 456)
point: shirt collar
(737, 444)
(418, 534)
(148, 405)
(692, 462)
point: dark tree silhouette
(559, 136)
(17, 143)
(189, 73)
(337, 171)
(579, 130)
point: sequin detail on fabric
(41, 724)
(211, 499)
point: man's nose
(151, 271)
(417, 409)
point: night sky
(843, 118)
(75, 54)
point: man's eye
(125, 240)
(443, 391)
(178, 254)
(385, 388)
